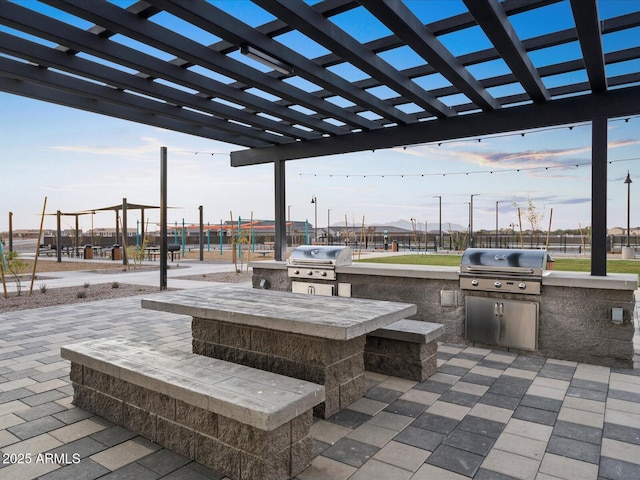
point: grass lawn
(560, 263)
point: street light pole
(328, 223)
(497, 238)
(314, 200)
(471, 241)
(289, 222)
(628, 182)
(439, 197)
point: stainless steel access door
(506, 323)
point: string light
(473, 172)
(201, 153)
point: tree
(15, 266)
(533, 217)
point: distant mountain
(433, 226)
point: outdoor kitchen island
(317, 339)
(582, 318)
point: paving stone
(541, 403)
(453, 370)
(501, 401)
(481, 426)
(113, 435)
(402, 455)
(133, 471)
(73, 415)
(459, 398)
(456, 460)
(622, 433)
(567, 447)
(87, 469)
(579, 432)
(508, 388)
(470, 442)
(624, 395)
(40, 398)
(493, 364)
(383, 394)
(84, 447)
(589, 385)
(612, 469)
(489, 475)
(164, 461)
(349, 418)
(372, 435)
(417, 437)
(41, 411)
(193, 471)
(478, 379)
(35, 427)
(536, 415)
(587, 394)
(351, 452)
(557, 372)
(375, 470)
(408, 409)
(523, 362)
(433, 386)
(435, 423)
(317, 447)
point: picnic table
(317, 339)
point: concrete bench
(241, 422)
(405, 349)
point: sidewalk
(484, 414)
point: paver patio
(484, 414)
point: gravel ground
(101, 291)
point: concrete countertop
(613, 281)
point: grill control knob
(323, 274)
(522, 286)
(309, 272)
(475, 283)
(296, 272)
(497, 284)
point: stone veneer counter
(318, 339)
(575, 308)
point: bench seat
(405, 349)
(242, 422)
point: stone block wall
(234, 449)
(338, 365)
(575, 324)
(399, 358)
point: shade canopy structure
(276, 87)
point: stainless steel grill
(317, 262)
(500, 319)
(503, 270)
(316, 265)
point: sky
(82, 161)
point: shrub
(87, 284)
(81, 295)
(115, 285)
(43, 288)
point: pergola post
(163, 218)
(599, 196)
(124, 231)
(280, 220)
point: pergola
(193, 67)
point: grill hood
(506, 261)
(320, 255)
